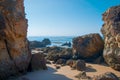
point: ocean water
(55, 40)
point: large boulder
(14, 50)
(38, 62)
(111, 32)
(88, 47)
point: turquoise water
(55, 40)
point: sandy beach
(66, 73)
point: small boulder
(61, 61)
(69, 62)
(80, 65)
(106, 76)
(82, 76)
(38, 62)
(57, 66)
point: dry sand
(66, 73)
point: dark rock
(99, 60)
(80, 65)
(82, 76)
(56, 53)
(66, 53)
(48, 62)
(38, 62)
(38, 44)
(61, 61)
(106, 76)
(111, 32)
(46, 41)
(88, 47)
(14, 50)
(66, 44)
(70, 62)
(57, 66)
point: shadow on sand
(45, 75)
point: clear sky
(65, 17)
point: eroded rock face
(14, 51)
(111, 32)
(88, 47)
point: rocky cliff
(14, 51)
(111, 32)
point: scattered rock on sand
(70, 62)
(80, 65)
(57, 66)
(88, 47)
(82, 76)
(61, 61)
(111, 32)
(106, 76)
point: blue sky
(65, 17)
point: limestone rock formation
(88, 47)
(14, 51)
(111, 32)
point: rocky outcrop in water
(14, 51)
(111, 32)
(88, 47)
(38, 44)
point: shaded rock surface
(56, 53)
(67, 44)
(38, 62)
(106, 76)
(70, 62)
(61, 61)
(82, 76)
(111, 32)
(88, 47)
(14, 51)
